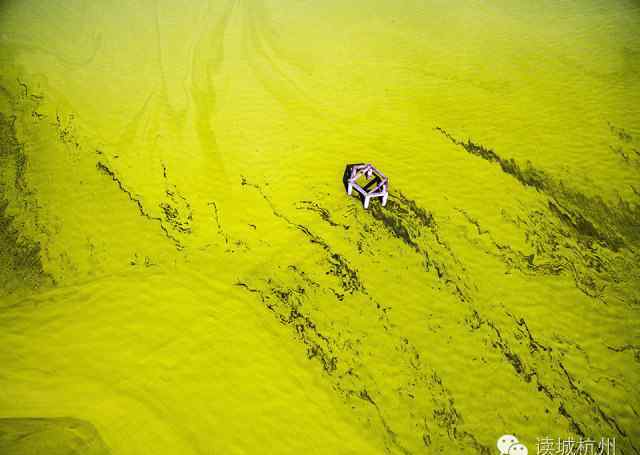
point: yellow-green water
(183, 272)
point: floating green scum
(181, 271)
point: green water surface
(182, 271)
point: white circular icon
(518, 449)
(505, 442)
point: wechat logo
(509, 445)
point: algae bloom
(182, 271)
